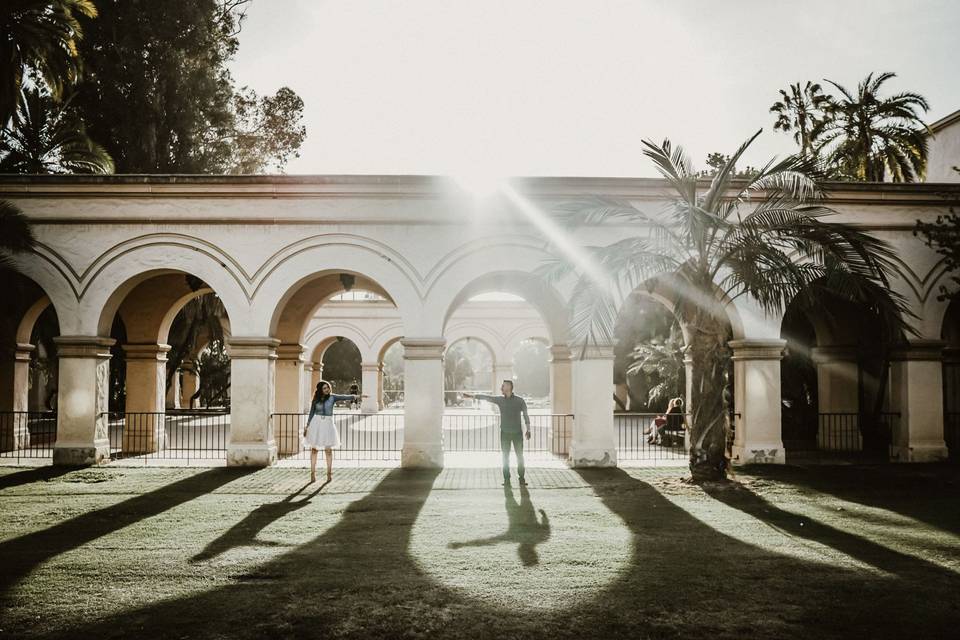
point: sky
(571, 88)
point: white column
(369, 381)
(190, 385)
(173, 392)
(13, 429)
(307, 388)
(838, 392)
(252, 381)
(501, 371)
(916, 392)
(423, 405)
(594, 442)
(756, 372)
(561, 396)
(82, 394)
(289, 397)
(688, 394)
(143, 432)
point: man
(511, 407)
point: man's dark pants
(516, 439)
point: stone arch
(321, 336)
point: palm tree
(41, 36)
(705, 250)
(47, 137)
(805, 112)
(15, 233)
(661, 360)
(871, 137)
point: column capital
(146, 351)
(23, 351)
(560, 353)
(370, 366)
(293, 352)
(919, 350)
(423, 348)
(835, 353)
(252, 347)
(83, 346)
(765, 349)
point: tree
(157, 90)
(16, 236)
(870, 137)
(48, 137)
(805, 112)
(943, 236)
(717, 160)
(40, 36)
(706, 250)
(661, 361)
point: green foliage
(943, 236)
(39, 36)
(861, 135)
(16, 236)
(47, 136)
(660, 361)
(157, 91)
(709, 247)
(199, 324)
(717, 160)
(213, 367)
(341, 365)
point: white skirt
(321, 434)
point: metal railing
(27, 434)
(852, 432)
(639, 437)
(363, 436)
(480, 432)
(174, 435)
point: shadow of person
(21, 555)
(523, 528)
(245, 532)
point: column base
(919, 453)
(78, 455)
(582, 457)
(253, 454)
(758, 453)
(421, 456)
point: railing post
(84, 385)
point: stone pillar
(501, 371)
(308, 387)
(916, 392)
(594, 442)
(252, 382)
(369, 381)
(561, 397)
(687, 394)
(756, 372)
(838, 392)
(189, 385)
(173, 392)
(143, 428)
(14, 433)
(289, 397)
(83, 391)
(423, 406)
(316, 377)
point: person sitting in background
(672, 421)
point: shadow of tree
(37, 474)
(523, 528)
(21, 555)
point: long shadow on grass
(20, 556)
(926, 493)
(359, 579)
(244, 533)
(32, 475)
(523, 528)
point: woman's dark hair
(318, 394)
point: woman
(321, 432)
(672, 421)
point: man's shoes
(523, 482)
(506, 482)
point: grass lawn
(181, 553)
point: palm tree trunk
(708, 428)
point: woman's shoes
(313, 478)
(329, 476)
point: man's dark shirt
(510, 410)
